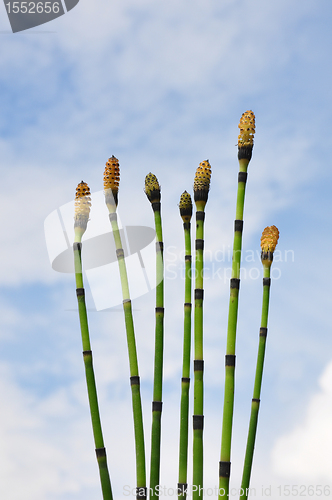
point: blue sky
(162, 87)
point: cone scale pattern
(246, 135)
(152, 188)
(269, 239)
(186, 206)
(202, 181)
(112, 180)
(82, 205)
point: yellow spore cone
(152, 188)
(186, 206)
(269, 242)
(112, 181)
(202, 181)
(246, 135)
(82, 206)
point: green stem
(225, 454)
(185, 383)
(257, 388)
(133, 363)
(90, 377)
(198, 362)
(158, 360)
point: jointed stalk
(186, 209)
(245, 145)
(152, 190)
(111, 186)
(201, 191)
(82, 210)
(268, 243)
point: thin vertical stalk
(201, 190)
(247, 128)
(152, 190)
(111, 183)
(269, 241)
(186, 214)
(82, 209)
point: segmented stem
(152, 191)
(158, 359)
(225, 454)
(201, 191)
(89, 373)
(185, 381)
(111, 187)
(268, 243)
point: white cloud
(306, 451)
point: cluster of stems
(268, 243)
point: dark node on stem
(199, 244)
(80, 292)
(263, 332)
(100, 453)
(81, 221)
(134, 380)
(235, 283)
(245, 152)
(230, 360)
(242, 177)
(87, 353)
(186, 214)
(187, 258)
(267, 256)
(113, 216)
(185, 380)
(198, 365)
(77, 246)
(266, 281)
(141, 493)
(120, 253)
(159, 246)
(188, 304)
(255, 400)
(199, 293)
(198, 422)
(224, 469)
(182, 488)
(186, 226)
(160, 310)
(238, 225)
(157, 406)
(200, 215)
(156, 204)
(201, 195)
(125, 301)
(111, 198)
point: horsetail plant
(152, 191)
(82, 211)
(111, 188)
(201, 192)
(186, 210)
(269, 241)
(245, 146)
